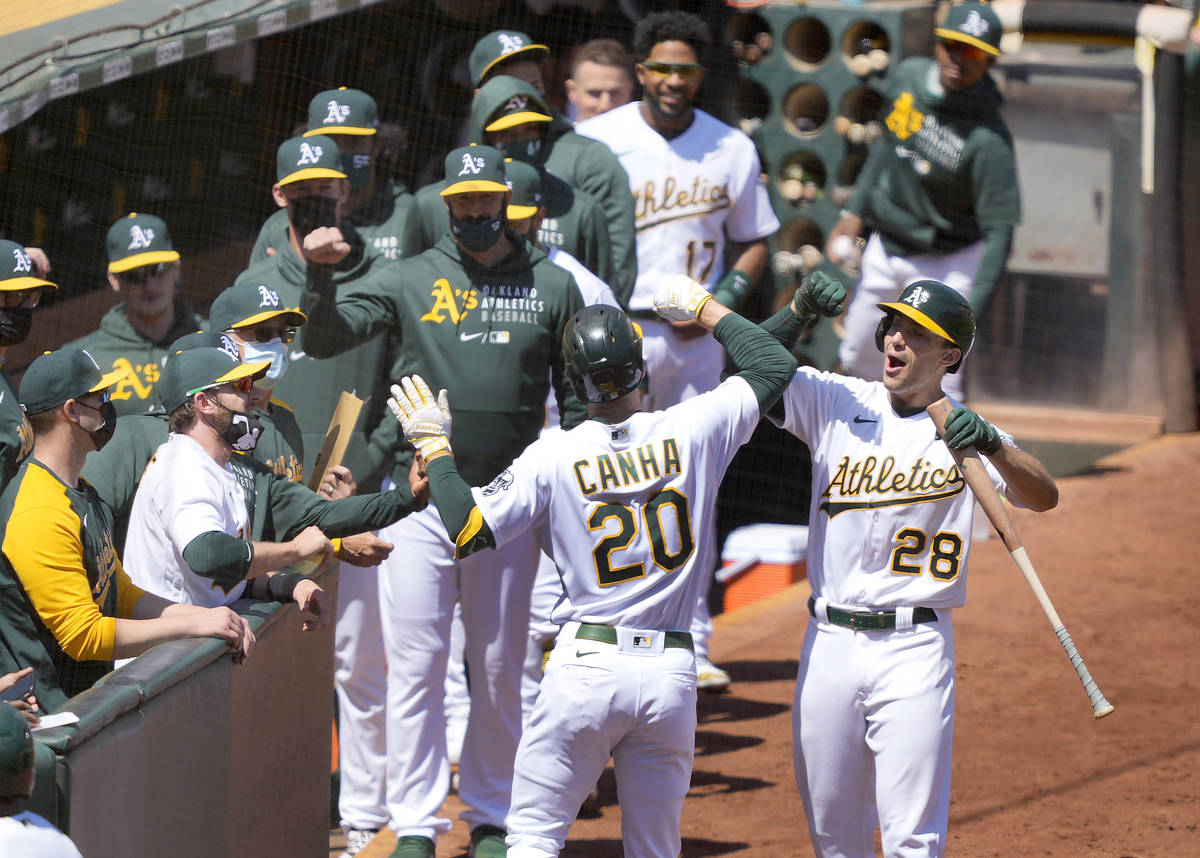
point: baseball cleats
(414, 846)
(709, 677)
(357, 840)
(487, 841)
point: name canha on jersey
(622, 508)
(891, 523)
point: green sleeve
(455, 504)
(273, 233)
(337, 323)
(219, 556)
(784, 326)
(759, 358)
(608, 182)
(868, 177)
(997, 243)
(598, 253)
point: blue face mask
(275, 351)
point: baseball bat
(981, 486)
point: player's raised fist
(424, 420)
(325, 245)
(964, 428)
(680, 299)
(819, 295)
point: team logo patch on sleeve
(503, 482)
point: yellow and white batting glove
(424, 420)
(680, 299)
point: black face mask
(529, 151)
(310, 213)
(104, 434)
(477, 233)
(242, 431)
(14, 325)
(357, 169)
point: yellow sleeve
(43, 546)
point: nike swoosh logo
(858, 419)
(296, 355)
(581, 653)
(466, 338)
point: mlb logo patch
(643, 641)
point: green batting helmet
(602, 352)
(934, 306)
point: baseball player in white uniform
(621, 503)
(889, 537)
(697, 184)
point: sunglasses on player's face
(11, 299)
(245, 385)
(687, 71)
(139, 275)
(266, 332)
(970, 52)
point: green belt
(607, 634)
(873, 621)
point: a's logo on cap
(917, 297)
(471, 164)
(268, 297)
(337, 113)
(517, 102)
(975, 25)
(510, 43)
(309, 154)
(22, 261)
(230, 347)
(140, 237)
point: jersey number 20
(652, 511)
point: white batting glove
(680, 299)
(424, 420)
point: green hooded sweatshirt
(486, 335)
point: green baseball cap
(525, 182)
(136, 240)
(975, 24)
(300, 158)
(248, 303)
(500, 45)
(188, 372)
(16, 749)
(522, 107)
(55, 377)
(474, 169)
(342, 111)
(16, 269)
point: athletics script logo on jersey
(677, 200)
(337, 113)
(876, 483)
(140, 237)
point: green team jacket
(381, 222)
(116, 345)
(310, 388)
(16, 436)
(574, 222)
(486, 335)
(943, 174)
(88, 547)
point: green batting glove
(964, 428)
(819, 295)
(733, 288)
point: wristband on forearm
(282, 585)
(733, 288)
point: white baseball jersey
(183, 493)
(890, 520)
(691, 193)
(621, 508)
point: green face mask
(357, 169)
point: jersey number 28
(943, 556)
(627, 521)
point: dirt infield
(1034, 773)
